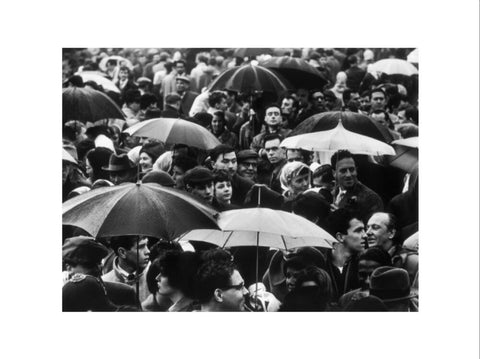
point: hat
(183, 78)
(118, 163)
(143, 79)
(99, 156)
(160, 177)
(172, 98)
(153, 149)
(390, 284)
(83, 249)
(246, 155)
(366, 304)
(198, 175)
(83, 293)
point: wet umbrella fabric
(88, 105)
(406, 157)
(175, 130)
(351, 121)
(338, 139)
(252, 51)
(137, 209)
(298, 72)
(100, 79)
(394, 67)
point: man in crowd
(121, 169)
(199, 182)
(289, 110)
(172, 106)
(187, 96)
(276, 157)
(247, 164)
(273, 122)
(169, 82)
(131, 107)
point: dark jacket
(240, 187)
(187, 102)
(362, 200)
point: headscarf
(289, 171)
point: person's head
(121, 169)
(177, 273)
(180, 165)
(364, 101)
(132, 100)
(382, 118)
(294, 177)
(273, 116)
(271, 145)
(82, 254)
(222, 183)
(392, 286)
(218, 122)
(289, 105)
(148, 101)
(182, 84)
(111, 64)
(180, 66)
(311, 206)
(347, 227)
(97, 158)
(220, 286)
(149, 153)
(218, 100)
(199, 182)
(318, 99)
(370, 260)
(173, 100)
(378, 99)
(382, 230)
(303, 97)
(344, 168)
(323, 177)
(292, 269)
(123, 73)
(298, 154)
(224, 158)
(330, 100)
(126, 248)
(159, 177)
(352, 60)
(247, 164)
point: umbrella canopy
(263, 227)
(68, 157)
(411, 242)
(250, 79)
(120, 61)
(338, 139)
(413, 57)
(352, 121)
(251, 51)
(394, 67)
(146, 209)
(100, 79)
(406, 157)
(175, 130)
(297, 71)
(88, 105)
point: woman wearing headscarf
(149, 153)
(294, 179)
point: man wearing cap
(172, 106)
(187, 97)
(199, 182)
(83, 255)
(121, 169)
(247, 164)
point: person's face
(294, 155)
(156, 58)
(377, 230)
(302, 98)
(379, 118)
(365, 270)
(223, 191)
(142, 59)
(227, 162)
(145, 162)
(355, 237)
(299, 184)
(346, 173)
(163, 284)
(222, 105)
(364, 103)
(319, 183)
(88, 168)
(234, 297)
(123, 75)
(135, 106)
(120, 177)
(274, 152)
(318, 98)
(291, 276)
(329, 102)
(203, 191)
(287, 106)
(323, 61)
(217, 124)
(182, 86)
(378, 101)
(354, 96)
(180, 68)
(248, 169)
(273, 116)
(177, 175)
(230, 98)
(143, 254)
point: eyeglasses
(235, 286)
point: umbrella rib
(228, 238)
(284, 242)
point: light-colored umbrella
(411, 242)
(394, 67)
(406, 154)
(99, 79)
(338, 139)
(413, 57)
(120, 61)
(175, 130)
(68, 157)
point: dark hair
(83, 147)
(352, 60)
(339, 221)
(378, 89)
(132, 96)
(211, 275)
(377, 254)
(221, 176)
(320, 277)
(126, 242)
(271, 137)
(111, 62)
(99, 157)
(124, 68)
(151, 277)
(219, 114)
(216, 254)
(393, 225)
(153, 113)
(274, 104)
(305, 154)
(220, 150)
(338, 156)
(162, 246)
(184, 162)
(216, 97)
(180, 269)
(146, 100)
(175, 63)
(325, 172)
(311, 205)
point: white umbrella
(119, 59)
(68, 157)
(406, 157)
(338, 139)
(413, 57)
(175, 130)
(99, 79)
(394, 66)
(407, 142)
(411, 242)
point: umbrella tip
(138, 183)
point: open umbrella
(413, 57)
(394, 67)
(88, 105)
(297, 71)
(120, 61)
(352, 121)
(175, 130)
(100, 79)
(411, 242)
(68, 157)
(406, 157)
(338, 139)
(251, 51)
(146, 209)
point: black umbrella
(251, 51)
(297, 71)
(352, 121)
(87, 105)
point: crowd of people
(368, 206)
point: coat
(187, 102)
(116, 277)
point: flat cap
(83, 249)
(246, 155)
(198, 175)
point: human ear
(218, 295)
(122, 252)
